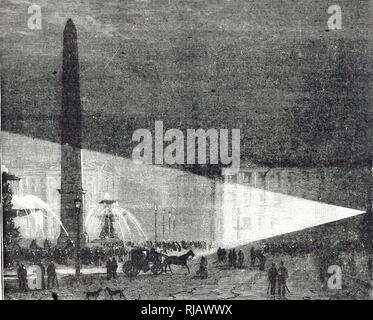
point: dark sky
(299, 93)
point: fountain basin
(110, 223)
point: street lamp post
(369, 213)
(174, 225)
(238, 224)
(78, 205)
(163, 224)
(169, 224)
(155, 223)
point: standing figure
(241, 259)
(370, 267)
(219, 255)
(33, 245)
(352, 263)
(230, 258)
(47, 245)
(252, 257)
(272, 278)
(22, 277)
(282, 277)
(114, 266)
(262, 260)
(202, 272)
(109, 269)
(42, 271)
(51, 275)
(234, 258)
(223, 255)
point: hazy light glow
(251, 214)
(225, 213)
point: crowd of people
(63, 256)
(323, 252)
(237, 259)
(108, 255)
(91, 255)
(257, 259)
(172, 246)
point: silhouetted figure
(219, 254)
(223, 255)
(241, 259)
(33, 244)
(47, 245)
(111, 268)
(230, 258)
(202, 272)
(281, 279)
(252, 257)
(52, 280)
(370, 267)
(22, 277)
(114, 265)
(272, 278)
(42, 270)
(352, 263)
(234, 258)
(262, 261)
(54, 296)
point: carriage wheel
(156, 269)
(130, 270)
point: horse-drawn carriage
(141, 259)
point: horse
(177, 260)
(93, 294)
(114, 292)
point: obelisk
(71, 135)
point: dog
(93, 294)
(115, 292)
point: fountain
(35, 219)
(110, 223)
(27, 217)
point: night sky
(301, 94)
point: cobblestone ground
(222, 283)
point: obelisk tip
(70, 25)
